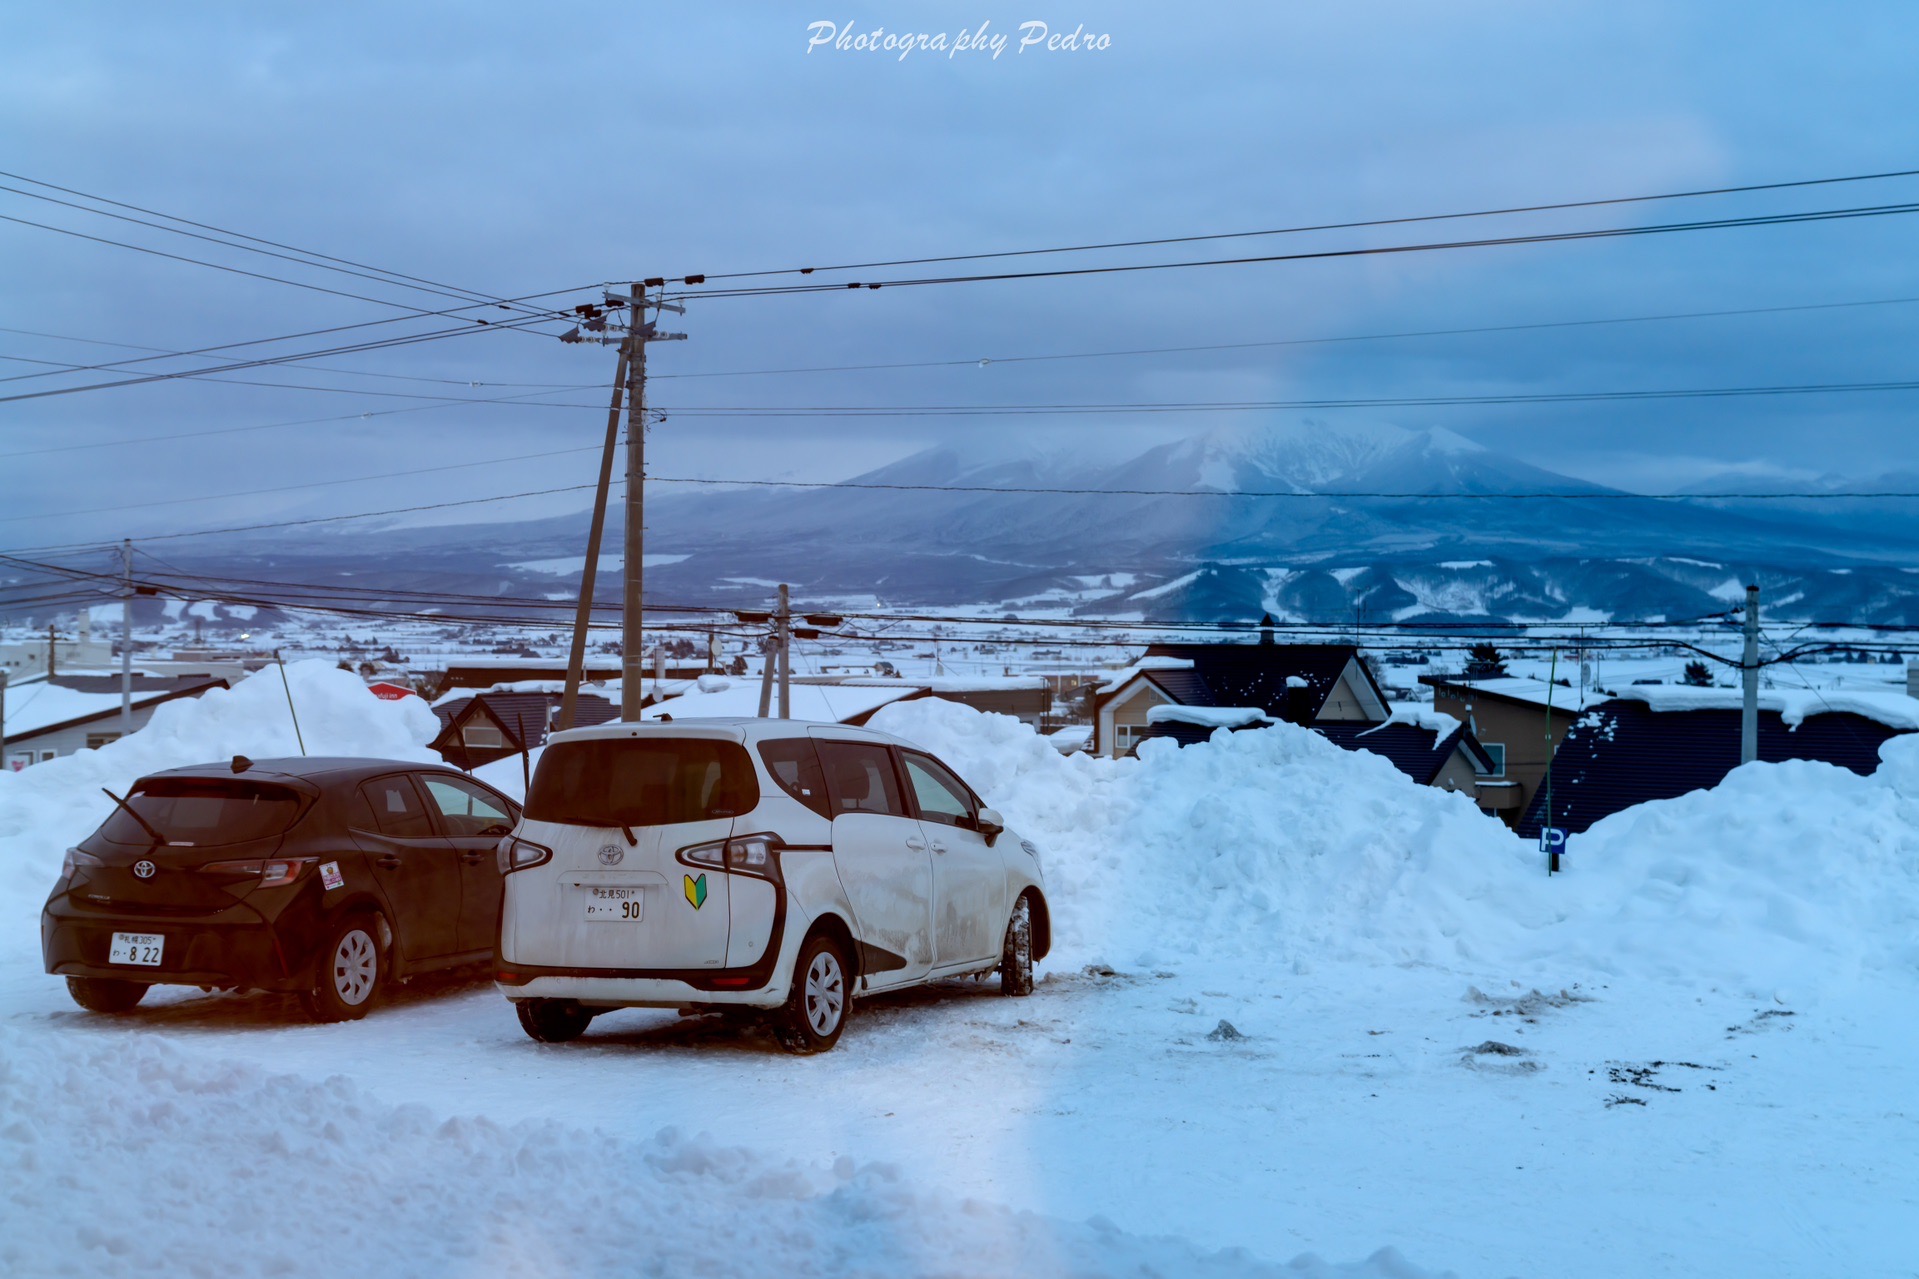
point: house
(479, 727)
(723, 696)
(1028, 698)
(43, 719)
(1307, 684)
(489, 672)
(1660, 741)
(1519, 722)
(1431, 749)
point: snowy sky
(519, 148)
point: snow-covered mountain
(1311, 519)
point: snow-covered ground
(1298, 1009)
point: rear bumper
(635, 992)
(244, 953)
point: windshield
(204, 811)
(635, 782)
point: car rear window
(626, 781)
(204, 811)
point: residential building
(1307, 684)
(1519, 723)
(1028, 698)
(44, 719)
(1657, 742)
(479, 727)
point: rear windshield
(637, 782)
(204, 811)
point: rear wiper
(627, 831)
(145, 825)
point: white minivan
(747, 864)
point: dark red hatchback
(326, 878)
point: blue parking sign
(1552, 839)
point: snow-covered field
(1298, 1009)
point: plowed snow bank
(1275, 844)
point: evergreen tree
(1698, 675)
(1484, 661)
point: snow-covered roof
(1418, 715)
(1537, 691)
(1794, 705)
(33, 707)
(1142, 665)
(949, 683)
(828, 703)
(605, 688)
(1206, 716)
(1072, 738)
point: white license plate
(621, 905)
(137, 948)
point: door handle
(471, 858)
(939, 848)
(917, 844)
(389, 861)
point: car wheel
(553, 1021)
(1016, 955)
(104, 994)
(349, 973)
(815, 1010)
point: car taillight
(742, 854)
(77, 860)
(519, 854)
(274, 872)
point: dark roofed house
(1433, 751)
(1662, 742)
(1306, 684)
(479, 728)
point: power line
(1301, 495)
(1326, 226)
(321, 519)
(478, 326)
(317, 368)
(294, 337)
(1242, 406)
(1281, 342)
(310, 484)
(1554, 237)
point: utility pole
(589, 576)
(126, 639)
(783, 629)
(3, 718)
(632, 658)
(1749, 679)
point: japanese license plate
(620, 904)
(137, 948)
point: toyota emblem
(144, 869)
(610, 854)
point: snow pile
(1276, 846)
(45, 808)
(286, 1176)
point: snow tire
(105, 994)
(350, 972)
(1016, 955)
(553, 1021)
(816, 1008)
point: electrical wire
(1554, 237)
(1326, 226)
(986, 361)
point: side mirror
(991, 824)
